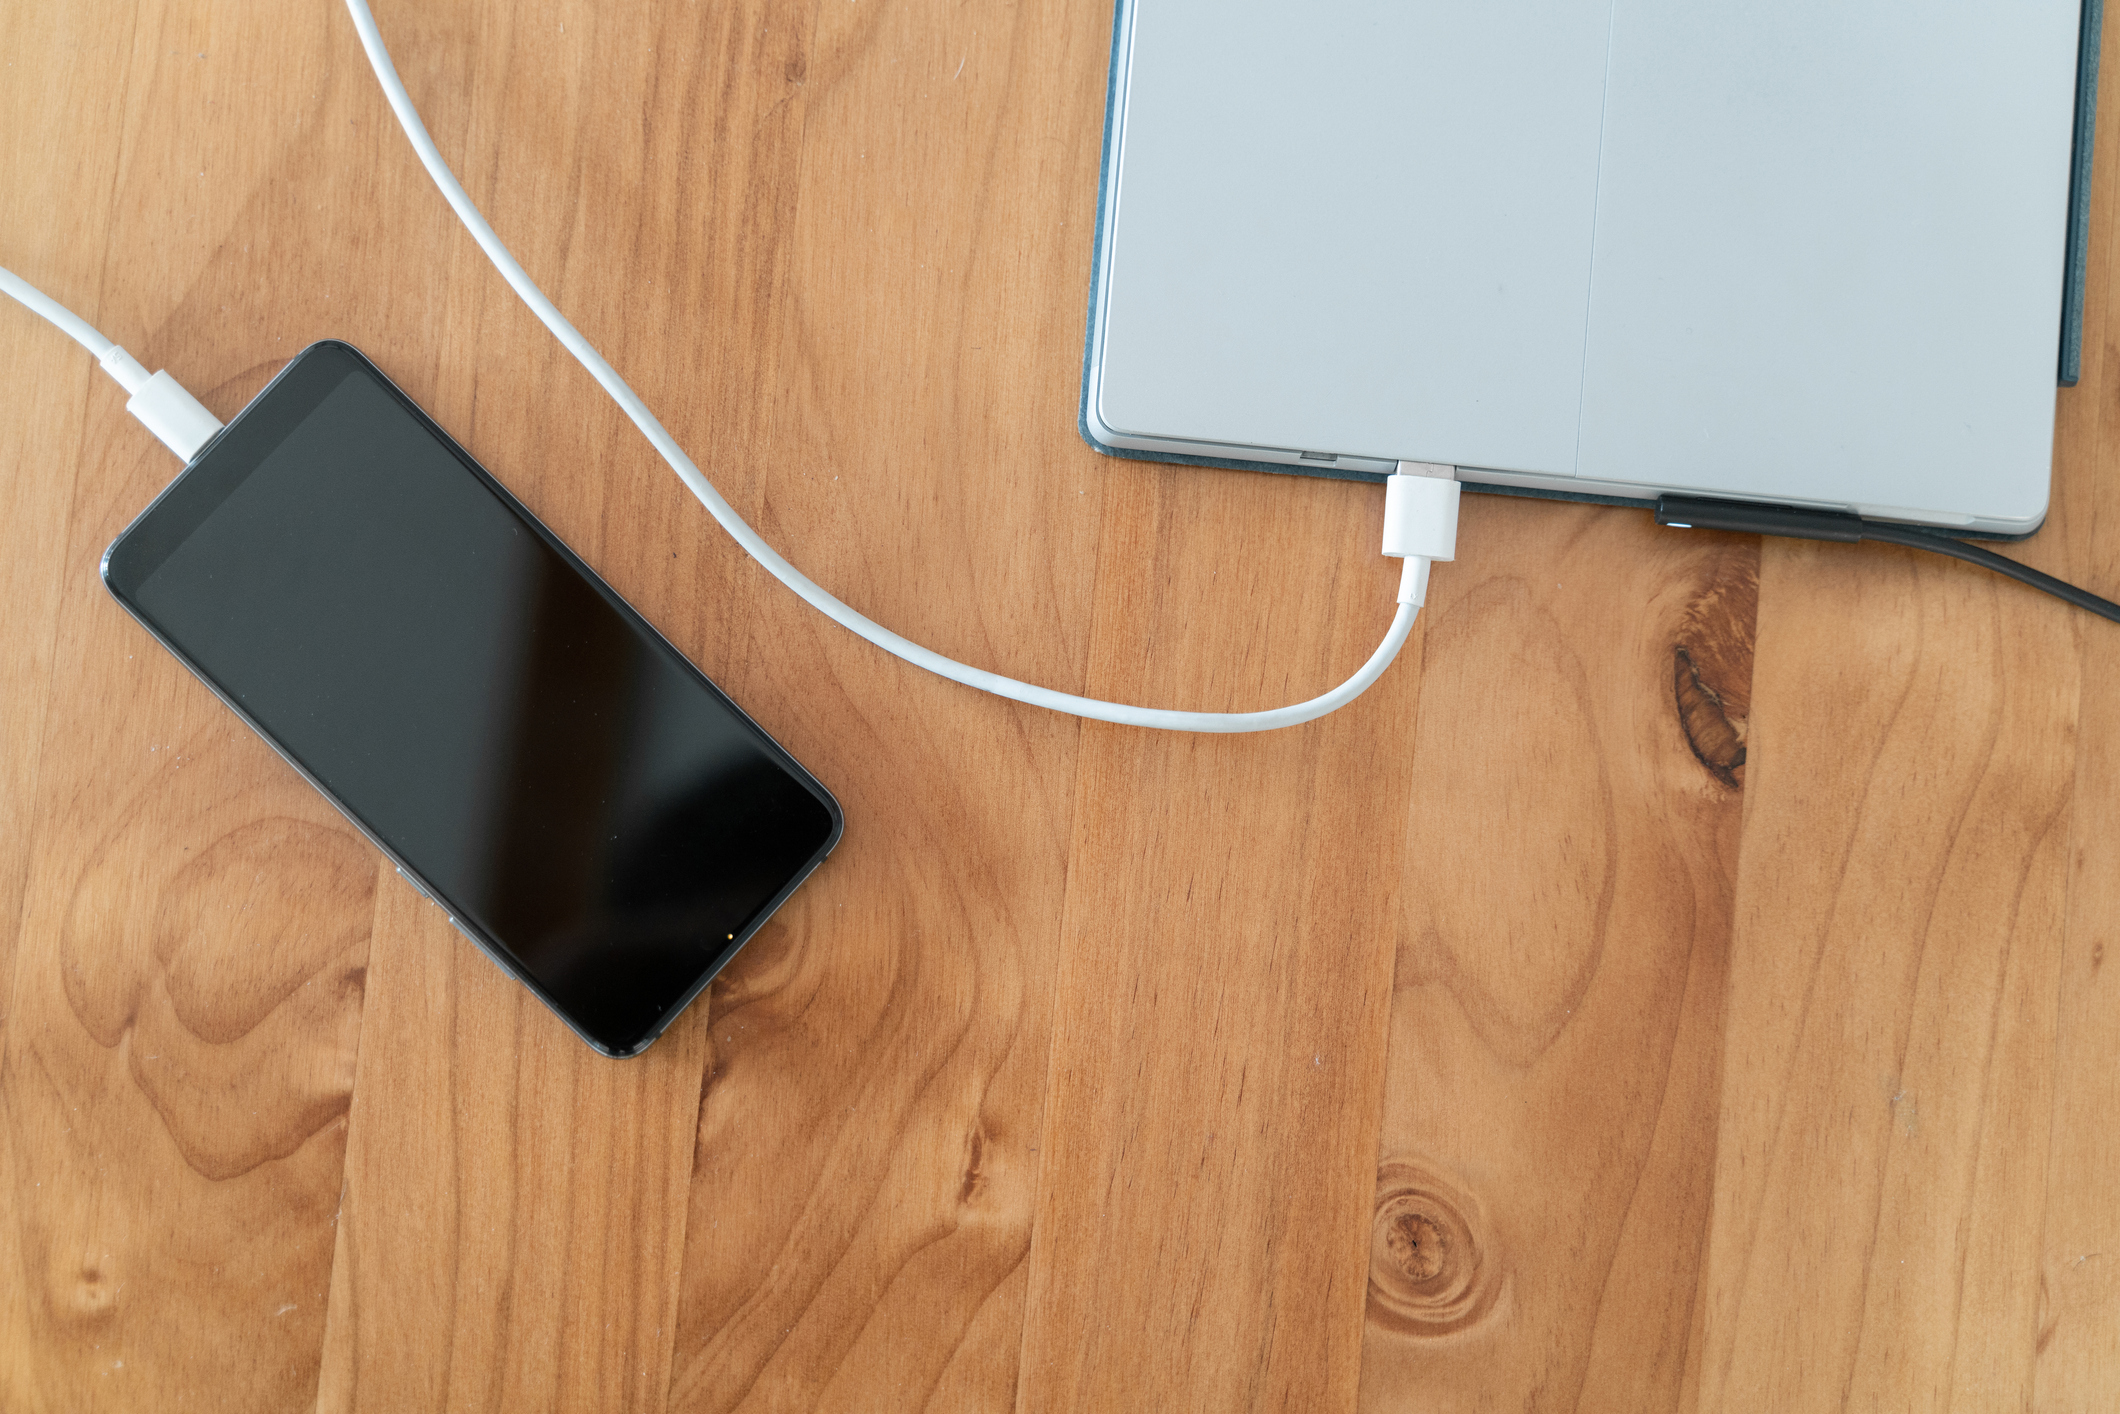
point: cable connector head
(1421, 512)
(176, 417)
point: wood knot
(974, 1167)
(1429, 1271)
(91, 1295)
(1418, 1244)
(1711, 658)
(1715, 736)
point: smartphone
(535, 758)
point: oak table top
(1677, 985)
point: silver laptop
(1809, 252)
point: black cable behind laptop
(1701, 513)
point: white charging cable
(1420, 523)
(159, 400)
(1427, 509)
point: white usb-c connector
(1420, 523)
(177, 418)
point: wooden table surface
(1677, 985)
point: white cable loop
(430, 157)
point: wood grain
(2076, 1346)
(868, 1148)
(36, 496)
(35, 499)
(494, 1250)
(1889, 1112)
(1227, 946)
(179, 1048)
(1889, 1056)
(1680, 984)
(1544, 1177)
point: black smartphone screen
(586, 805)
